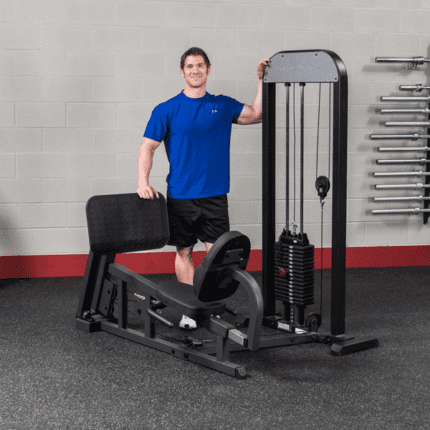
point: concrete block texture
(126, 140)
(91, 115)
(118, 39)
(62, 38)
(191, 15)
(20, 88)
(165, 39)
(264, 43)
(97, 12)
(142, 14)
(41, 166)
(340, 19)
(48, 215)
(142, 65)
(214, 37)
(22, 242)
(286, 18)
(21, 140)
(134, 115)
(117, 90)
(378, 20)
(68, 140)
(8, 169)
(93, 166)
(9, 219)
(8, 11)
(7, 115)
(19, 37)
(7, 63)
(67, 89)
(236, 16)
(79, 80)
(97, 64)
(21, 190)
(40, 114)
(66, 190)
(65, 240)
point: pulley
(322, 185)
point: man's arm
(253, 114)
(144, 165)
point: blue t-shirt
(196, 134)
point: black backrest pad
(126, 223)
(211, 282)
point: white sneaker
(187, 323)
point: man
(196, 129)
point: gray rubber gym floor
(56, 377)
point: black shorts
(204, 219)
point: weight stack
(294, 269)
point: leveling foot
(354, 345)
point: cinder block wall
(79, 80)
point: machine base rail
(181, 351)
(205, 353)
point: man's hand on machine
(261, 66)
(146, 192)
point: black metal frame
(125, 223)
(97, 289)
(325, 67)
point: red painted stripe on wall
(53, 266)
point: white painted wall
(79, 80)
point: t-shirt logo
(214, 111)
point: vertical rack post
(268, 189)
(340, 121)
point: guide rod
(414, 136)
(398, 211)
(403, 148)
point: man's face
(195, 71)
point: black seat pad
(182, 298)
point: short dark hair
(194, 51)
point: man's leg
(184, 266)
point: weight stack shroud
(294, 269)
